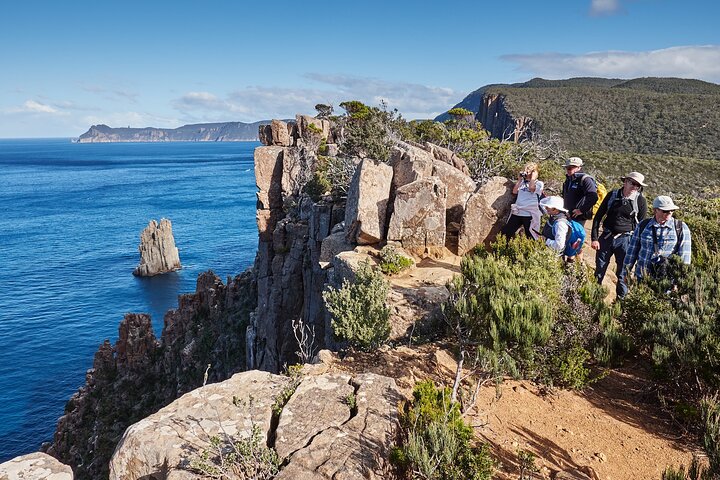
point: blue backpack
(576, 236)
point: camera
(524, 175)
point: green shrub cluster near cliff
(660, 116)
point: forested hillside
(660, 116)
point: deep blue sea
(70, 223)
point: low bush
(242, 459)
(523, 310)
(436, 442)
(392, 261)
(359, 312)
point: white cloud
(31, 106)
(260, 102)
(604, 7)
(700, 62)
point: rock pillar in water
(158, 253)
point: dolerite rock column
(158, 253)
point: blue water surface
(70, 223)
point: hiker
(525, 211)
(579, 191)
(655, 239)
(623, 209)
(556, 228)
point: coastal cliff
(140, 374)
(416, 201)
(201, 132)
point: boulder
(329, 426)
(359, 447)
(162, 445)
(459, 189)
(447, 156)
(366, 209)
(265, 134)
(332, 245)
(418, 219)
(304, 416)
(158, 253)
(304, 120)
(409, 164)
(485, 213)
(344, 266)
(280, 133)
(35, 466)
(268, 175)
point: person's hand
(534, 175)
(576, 213)
(595, 245)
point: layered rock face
(35, 466)
(317, 434)
(500, 122)
(158, 253)
(139, 374)
(419, 200)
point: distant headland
(199, 132)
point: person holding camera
(657, 238)
(525, 212)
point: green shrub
(392, 261)
(243, 459)
(571, 370)
(317, 186)
(359, 312)
(526, 311)
(368, 132)
(711, 438)
(437, 444)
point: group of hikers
(627, 235)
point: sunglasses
(665, 211)
(634, 184)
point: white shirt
(560, 229)
(527, 201)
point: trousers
(515, 222)
(611, 246)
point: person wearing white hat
(657, 238)
(622, 210)
(579, 191)
(556, 229)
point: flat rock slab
(360, 447)
(35, 466)
(162, 445)
(332, 426)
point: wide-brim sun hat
(636, 176)
(553, 202)
(663, 202)
(574, 162)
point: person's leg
(602, 257)
(620, 249)
(512, 225)
(526, 225)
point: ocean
(70, 223)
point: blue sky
(67, 65)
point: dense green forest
(658, 116)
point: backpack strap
(678, 237)
(643, 225)
(616, 195)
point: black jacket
(618, 218)
(580, 191)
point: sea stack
(158, 253)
